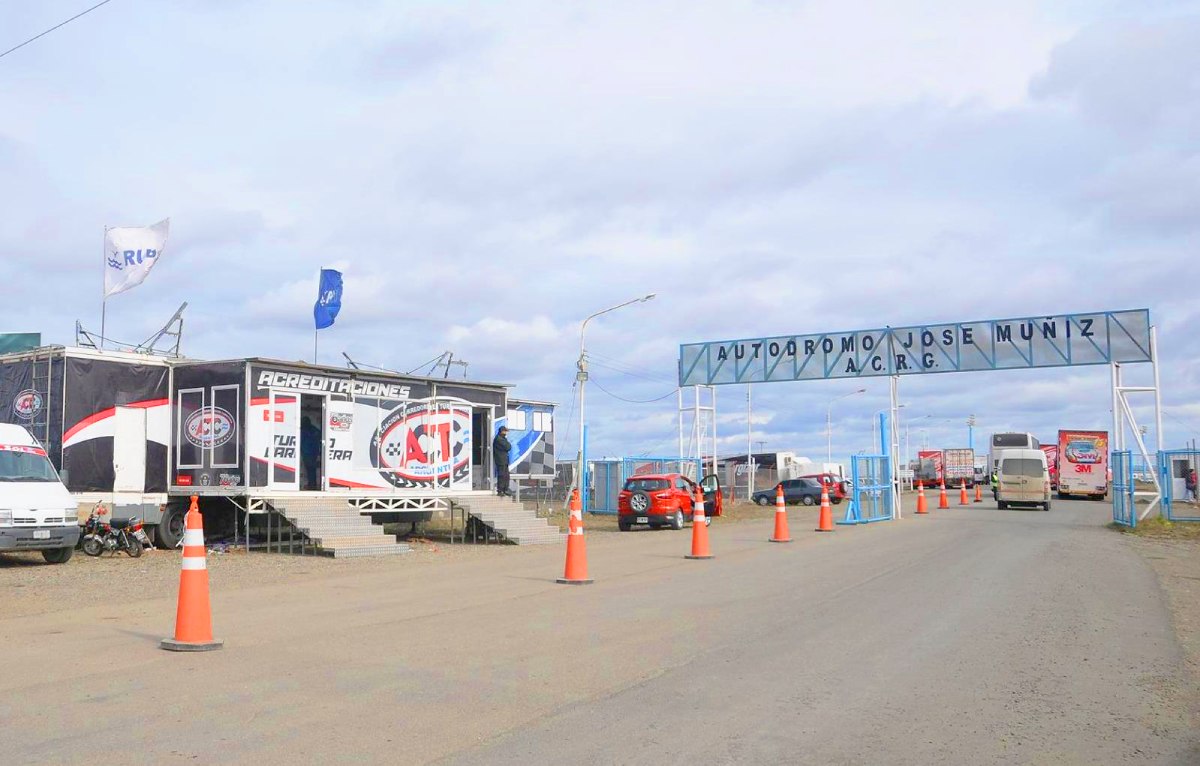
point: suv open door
(714, 502)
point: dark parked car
(802, 491)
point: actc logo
(419, 444)
(209, 427)
(27, 404)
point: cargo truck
(1083, 464)
(929, 467)
(958, 466)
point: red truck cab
(837, 486)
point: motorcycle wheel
(133, 547)
(92, 546)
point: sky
(488, 174)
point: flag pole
(103, 284)
(314, 346)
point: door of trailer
(284, 461)
(129, 449)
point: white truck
(37, 513)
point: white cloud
(488, 175)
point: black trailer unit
(247, 434)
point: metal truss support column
(1125, 423)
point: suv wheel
(762, 500)
(677, 520)
(807, 500)
(623, 525)
(639, 502)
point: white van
(1022, 478)
(36, 511)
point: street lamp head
(861, 391)
(649, 297)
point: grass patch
(1160, 528)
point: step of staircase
(511, 521)
(338, 529)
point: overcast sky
(488, 174)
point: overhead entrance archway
(1112, 338)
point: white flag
(130, 253)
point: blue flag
(329, 298)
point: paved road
(971, 636)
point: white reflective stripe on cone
(194, 562)
(193, 537)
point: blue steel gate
(872, 496)
(1173, 466)
(1124, 510)
(608, 477)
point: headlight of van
(70, 517)
(5, 516)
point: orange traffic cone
(699, 530)
(943, 501)
(781, 527)
(978, 492)
(962, 493)
(193, 618)
(825, 519)
(575, 572)
(921, 507)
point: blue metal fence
(1124, 510)
(1173, 466)
(607, 477)
(871, 499)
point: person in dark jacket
(500, 449)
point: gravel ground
(1175, 559)
(31, 586)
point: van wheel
(169, 530)
(58, 555)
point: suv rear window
(1022, 466)
(645, 485)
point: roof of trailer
(300, 365)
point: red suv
(665, 499)
(837, 486)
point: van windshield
(19, 463)
(1021, 466)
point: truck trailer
(143, 433)
(958, 467)
(1083, 464)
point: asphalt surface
(970, 636)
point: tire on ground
(169, 530)
(58, 555)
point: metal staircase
(509, 520)
(336, 529)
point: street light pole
(829, 423)
(582, 376)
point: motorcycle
(113, 536)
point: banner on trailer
(421, 445)
(990, 344)
(129, 254)
(531, 433)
